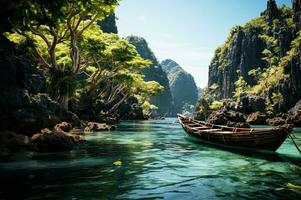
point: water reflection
(155, 161)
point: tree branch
(36, 32)
(87, 26)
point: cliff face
(269, 44)
(242, 52)
(108, 25)
(22, 108)
(154, 73)
(183, 88)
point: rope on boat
(295, 144)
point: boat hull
(269, 140)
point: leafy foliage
(55, 27)
(216, 105)
(80, 61)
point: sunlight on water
(152, 160)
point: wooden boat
(252, 138)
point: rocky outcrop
(229, 118)
(54, 141)
(270, 40)
(95, 127)
(256, 118)
(154, 73)
(23, 109)
(130, 110)
(297, 12)
(271, 12)
(294, 115)
(183, 88)
(60, 138)
(251, 103)
(108, 25)
(276, 121)
(241, 53)
(63, 126)
(27, 114)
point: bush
(216, 105)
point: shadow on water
(259, 154)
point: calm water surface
(151, 160)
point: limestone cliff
(108, 25)
(154, 73)
(183, 88)
(264, 56)
(24, 108)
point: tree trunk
(119, 103)
(63, 101)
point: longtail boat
(251, 138)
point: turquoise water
(151, 160)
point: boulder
(256, 118)
(217, 117)
(29, 120)
(94, 127)
(63, 126)
(294, 115)
(12, 142)
(252, 103)
(276, 121)
(54, 141)
(29, 114)
(229, 118)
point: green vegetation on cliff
(154, 73)
(260, 58)
(93, 71)
(183, 88)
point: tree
(114, 72)
(56, 24)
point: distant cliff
(183, 88)
(108, 25)
(261, 58)
(154, 73)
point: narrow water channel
(151, 160)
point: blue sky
(187, 31)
